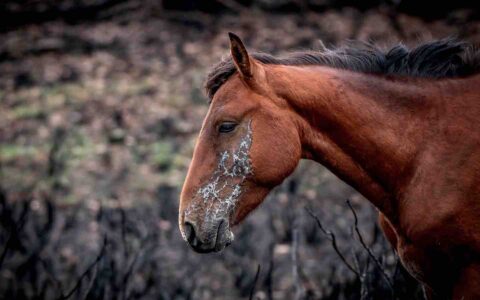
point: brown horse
(401, 126)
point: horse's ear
(240, 56)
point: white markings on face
(217, 199)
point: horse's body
(410, 145)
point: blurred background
(101, 102)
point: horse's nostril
(190, 232)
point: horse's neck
(365, 129)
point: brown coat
(410, 145)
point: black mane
(444, 58)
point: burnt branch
(377, 262)
(299, 290)
(87, 271)
(252, 291)
(331, 237)
(12, 226)
(54, 163)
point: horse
(400, 125)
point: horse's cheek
(274, 156)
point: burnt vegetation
(101, 102)
(44, 256)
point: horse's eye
(227, 127)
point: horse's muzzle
(214, 239)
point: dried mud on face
(97, 126)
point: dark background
(101, 102)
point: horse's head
(248, 144)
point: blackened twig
(299, 290)
(363, 277)
(85, 273)
(331, 237)
(269, 276)
(369, 251)
(14, 227)
(252, 291)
